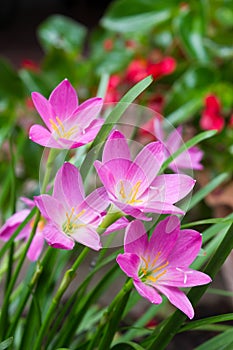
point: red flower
(112, 94)
(137, 70)
(164, 67)
(30, 65)
(211, 118)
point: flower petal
(68, 185)
(174, 140)
(186, 249)
(57, 238)
(148, 292)
(131, 210)
(116, 147)
(44, 108)
(129, 263)
(43, 137)
(50, 208)
(64, 100)
(88, 237)
(136, 240)
(183, 277)
(178, 299)
(162, 208)
(12, 223)
(164, 238)
(87, 112)
(170, 188)
(90, 132)
(36, 247)
(117, 225)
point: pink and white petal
(183, 277)
(44, 108)
(97, 200)
(131, 210)
(178, 299)
(68, 185)
(64, 100)
(150, 160)
(116, 147)
(88, 237)
(56, 238)
(164, 238)
(129, 264)
(12, 223)
(158, 130)
(170, 188)
(186, 249)
(90, 132)
(28, 202)
(136, 240)
(117, 225)
(50, 208)
(36, 247)
(148, 292)
(189, 159)
(43, 137)
(162, 208)
(87, 112)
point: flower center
(151, 270)
(60, 129)
(127, 193)
(72, 221)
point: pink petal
(164, 238)
(43, 137)
(36, 247)
(68, 185)
(174, 140)
(178, 299)
(186, 249)
(148, 292)
(170, 188)
(50, 208)
(64, 100)
(149, 160)
(129, 263)
(183, 277)
(158, 130)
(161, 208)
(116, 226)
(88, 237)
(189, 159)
(44, 108)
(116, 147)
(12, 224)
(131, 210)
(97, 200)
(90, 132)
(57, 238)
(136, 240)
(87, 112)
(106, 177)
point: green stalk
(49, 166)
(173, 324)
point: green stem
(173, 324)
(49, 166)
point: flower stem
(49, 166)
(173, 324)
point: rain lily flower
(161, 265)
(72, 217)
(12, 223)
(189, 159)
(69, 125)
(211, 118)
(134, 187)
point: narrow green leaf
(207, 320)
(185, 112)
(103, 85)
(222, 341)
(6, 343)
(207, 222)
(127, 345)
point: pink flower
(72, 217)
(189, 159)
(69, 125)
(211, 118)
(134, 186)
(162, 263)
(12, 223)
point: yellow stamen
(59, 128)
(134, 192)
(154, 279)
(160, 267)
(71, 223)
(122, 190)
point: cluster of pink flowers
(131, 188)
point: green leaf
(11, 86)
(222, 341)
(185, 112)
(6, 343)
(189, 27)
(207, 320)
(60, 32)
(140, 16)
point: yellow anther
(134, 192)
(122, 190)
(160, 267)
(60, 129)
(154, 279)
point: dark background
(19, 20)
